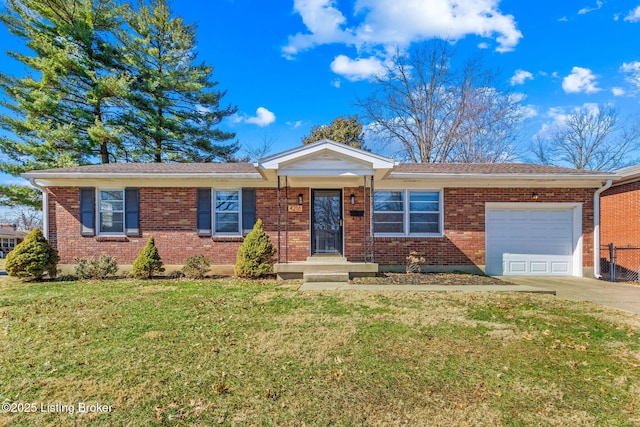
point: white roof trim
(376, 161)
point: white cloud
(581, 80)
(389, 23)
(262, 118)
(630, 67)
(295, 125)
(336, 83)
(633, 15)
(586, 10)
(323, 22)
(618, 91)
(520, 77)
(557, 118)
(356, 69)
(633, 69)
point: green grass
(235, 353)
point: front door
(326, 219)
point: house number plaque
(295, 208)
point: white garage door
(529, 242)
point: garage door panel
(529, 241)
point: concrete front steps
(324, 269)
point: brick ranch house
(620, 214)
(330, 200)
(10, 236)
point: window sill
(227, 238)
(112, 239)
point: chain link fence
(619, 264)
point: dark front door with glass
(326, 219)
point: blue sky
(290, 65)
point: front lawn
(230, 352)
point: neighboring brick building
(328, 199)
(620, 220)
(10, 236)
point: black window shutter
(132, 211)
(204, 211)
(248, 209)
(87, 212)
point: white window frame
(99, 231)
(10, 242)
(215, 191)
(406, 205)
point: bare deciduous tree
(25, 217)
(592, 137)
(439, 113)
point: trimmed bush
(255, 256)
(196, 267)
(148, 261)
(32, 258)
(100, 268)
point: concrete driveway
(617, 295)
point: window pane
(388, 201)
(423, 201)
(111, 205)
(227, 223)
(227, 201)
(424, 227)
(111, 222)
(111, 195)
(388, 222)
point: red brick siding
(463, 242)
(620, 222)
(169, 214)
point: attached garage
(530, 239)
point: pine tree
(148, 261)
(255, 256)
(173, 110)
(61, 113)
(32, 257)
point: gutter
(596, 228)
(45, 207)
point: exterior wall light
(353, 199)
(534, 195)
(300, 199)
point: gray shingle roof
(155, 168)
(489, 169)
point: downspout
(596, 228)
(45, 207)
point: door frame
(340, 250)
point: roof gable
(323, 157)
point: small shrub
(148, 261)
(414, 262)
(255, 256)
(32, 258)
(100, 268)
(67, 278)
(196, 267)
